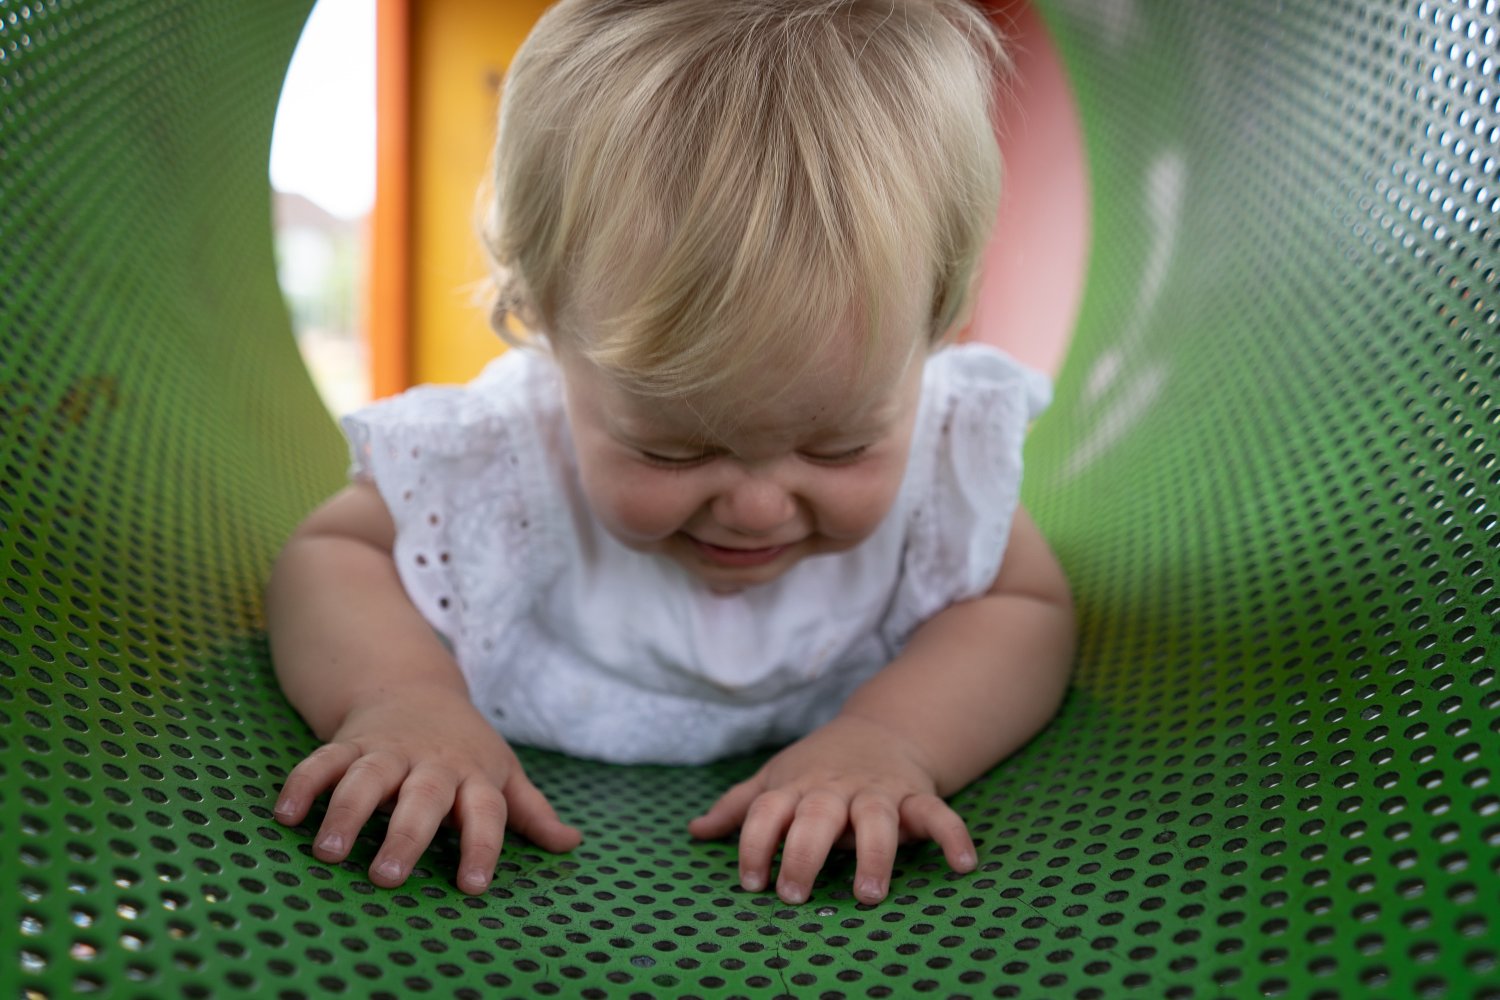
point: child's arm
(369, 675)
(974, 683)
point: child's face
(813, 471)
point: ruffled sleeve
(461, 469)
(977, 405)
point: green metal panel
(1270, 471)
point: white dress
(571, 641)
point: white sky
(323, 146)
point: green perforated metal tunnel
(1270, 471)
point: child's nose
(754, 506)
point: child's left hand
(853, 780)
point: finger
(426, 797)
(765, 824)
(726, 815)
(363, 786)
(820, 818)
(316, 773)
(480, 811)
(929, 817)
(533, 817)
(877, 831)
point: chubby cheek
(852, 509)
(639, 506)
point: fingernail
(389, 870)
(752, 882)
(475, 878)
(791, 892)
(967, 861)
(284, 809)
(331, 844)
(871, 888)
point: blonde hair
(686, 190)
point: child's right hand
(432, 754)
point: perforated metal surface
(1272, 476)
(1270, 471)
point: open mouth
(723, 556)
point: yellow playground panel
(440, 64)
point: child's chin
(725, 589)
(726, 583)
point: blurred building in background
(321, 263)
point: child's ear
(960, 325)
(956, 333)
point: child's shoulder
(520, 383)
(974, 368)
(507, 415)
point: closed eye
(838, 458)
(675, 461)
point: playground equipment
(1270, 470)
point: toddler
(730, 491)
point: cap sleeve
(461, 470)
(978, 403)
